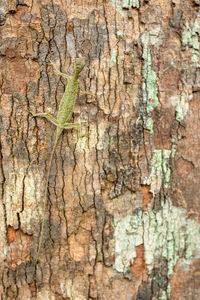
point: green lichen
(173, 148)
(165, 166)
(166, 233)
(152, 37)
(126, 237)
(160, 171)
(149, 124)
(179, 112)
(113, 58)
(164, 296)
(190, 38)
(150, 81)
(127, 4)
(182, 107)
(119, 33)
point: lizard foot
(31, 112)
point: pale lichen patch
(113, 58)
(150, 90)
(22, 194)
(121, 204)
(102, 140)
(3, 248)
(45, 294)
(122, 6)
(160, 171)
(166, 233)
(190, 38)
(93, 136)
(74, 289)
(81, 144)
(182, 107)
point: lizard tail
(45, 199)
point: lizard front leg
(90, 94)
(58, 72)
(95, 101)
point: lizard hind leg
(73, 125)
(85, 92)
(47, 116)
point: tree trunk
(122, 220)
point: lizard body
(64, 115)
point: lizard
(64, 115)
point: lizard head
(79, 65)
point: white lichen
(190, 39)
(159, 171)
(122, 6)
(150, 90)
(166, 233)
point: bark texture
(124, 199)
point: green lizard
(64, 115)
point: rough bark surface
(124, 199)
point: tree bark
(123, 200)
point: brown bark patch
(138, 266)
(170, 80)
(19, 248)
(186, 281)
(187, 163)
(184, 167)
(79, 244)
(178, 199)
(147, 196)
(11, 234)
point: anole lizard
(64, 115)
